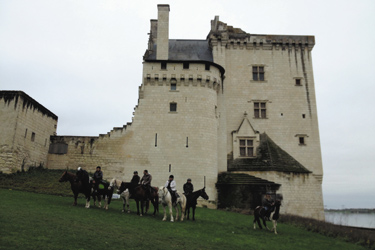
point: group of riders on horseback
(145, 182)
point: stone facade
(234, 102)
(26, 127)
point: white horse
(124, 195)
(166, 200)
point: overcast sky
(82, 60)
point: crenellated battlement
(234, 38)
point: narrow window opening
(163, 65)
(303, 116)
(298, 82)
(32, 136)
(170, 167)
(156, 140)
(25, 133)
(173, 86)
(173, 107)
(187, 142)
(302, 140)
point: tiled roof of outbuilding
(270, 157)
(244, 179)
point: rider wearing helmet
(98, 177)
(268, 204)
(83, 177)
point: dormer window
(246, 147)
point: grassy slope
(41, 221)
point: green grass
(44, 221)
(39, 221)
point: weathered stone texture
(25, 130)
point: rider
(134, 182)
(268, 204)
(83, 176)
(146, 182)
(188, 187)
(98, 177)
(171, 186)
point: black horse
(260, 212)
(77, 187)
(140, 196)
(102, 191)
(192, 201)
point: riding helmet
(171, 176)
(135, 172)
(188, 179)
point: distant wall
(26, 127)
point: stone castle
(235, 112)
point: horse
(125, 195)
(166, 200)
(260, 212)
(140, 196)
(77, 187)
(103, 190)
(192, 201)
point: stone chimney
(162, 37)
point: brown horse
(77, 187)
(260, 212)
(192, 201)
(140, 196)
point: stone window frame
(258, 72)
(173, 107)
(246, 139)
(262, 111)
(302, 138)
(298, 81)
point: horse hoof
(128, 212)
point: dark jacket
(135, 180)
(188, 188)
(98, 176)
(83, 176)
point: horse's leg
(183, 207)
(193, 209)
(170, 210)
(165, 213)
(123, 204)
(106, 202)
(127, 203)
(177, 211)
(274, 225)
(75, 199)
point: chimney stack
(162, 40)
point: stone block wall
(25, 131)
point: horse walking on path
(192, 201)
(140, 196)
(77, 187)
(124, 196)
(166, 200)
(260, 212)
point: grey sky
(83, 61)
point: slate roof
(244, 179)
(185, 50)
(270, 157)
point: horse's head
(204, 194)
(64, 177)
(162, 191)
